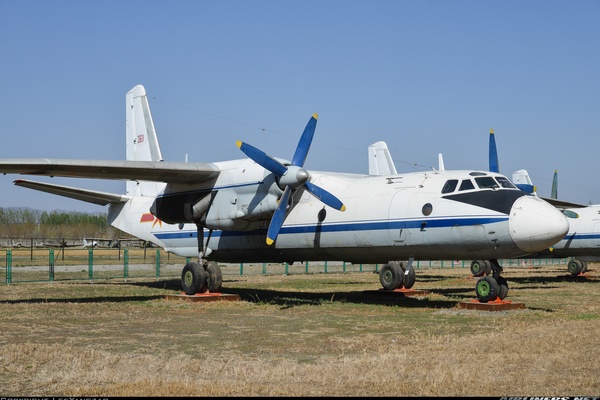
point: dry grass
(303, 335)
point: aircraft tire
(486, 289)
(488, 267)
(503, 287)
(584, 267)
(193, 279)
(409, 279)
(478, 268)
(214, 277)
(391, 276)
(574, 266)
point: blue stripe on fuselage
(348, 227)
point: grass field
(303, 335)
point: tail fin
(494, 167)
(142, 143)
(380, 160)
(522, 180)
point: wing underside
(156, 171)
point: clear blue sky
(427, 77)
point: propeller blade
(325, 196)
(305, 141)
(262, 158)
(493, 153)
(278, 216)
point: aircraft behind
(268, 209)
(582, 242)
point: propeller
(291, 177)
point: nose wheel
(491, 286)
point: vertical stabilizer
(142, 143)
(554, 192)
(522, 180)
(380, 160)
(493, 157)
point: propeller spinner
(291, 177)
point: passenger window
(505, 183)
(450, 186)
(466, 185)
(486, 182)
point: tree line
(28, 223)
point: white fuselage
(387, 218)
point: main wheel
(408, 280)
(214, 277)
(487, 289)
(478, 268)
(193, 279)
(574, 266)
(391, 276)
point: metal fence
(28, 264)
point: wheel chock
(207, 296)
(494, 305)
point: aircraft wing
(563, 204)
(157, 171)
(90, 196)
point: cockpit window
(466, 185)
(450, 186)
(505, 183)
(570, 214)
(487, 182)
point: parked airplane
(582, 242)
(265, 209)
(91, 243)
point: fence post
(287, 268)
(325, 268)
(264, 268)
(8, 266)
(51, 264)
(158, 263)
(126, 263)
(307, 267)
(91, 263)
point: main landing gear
(492, 285)
(576, 266)
(202, 276)
(395, 275)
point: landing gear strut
(202, 276)
(492, 285)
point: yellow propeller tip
(316, 116)
(491, 131)
(343, 208)
(238, 143)
(269, 241)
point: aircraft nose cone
(536, 225)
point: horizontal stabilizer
(90, 196)
(157, 171)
